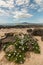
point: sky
(19, 11)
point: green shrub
(21, 46)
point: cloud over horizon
(18, 9)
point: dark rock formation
(37, 32)
(8, 39)
(9, 34)
(0, 45)
(29, 30)
(42, 38)
(10, 48)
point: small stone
(10, 48)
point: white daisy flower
(21, 62)
(23, 48)
(19, 46)
(32, 43)
(27, 47)
(36, 47)
(22, 42)
(16, 59)
(14, 53)
(15, 43)
(19, 55)
(26, 43)
(9, 54)
(4, 46)
(24, 58)
(33, 47)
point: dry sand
(35, 59)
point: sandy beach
(35, 59)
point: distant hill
(21, 25)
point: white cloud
(40, 4)
(24, 10)
(17, 14)
(20, 14)
(38, 1)
(40, 10)
(2, 12)
(8, 3)
(21, 2)
(33, 6)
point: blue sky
(18, 11)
